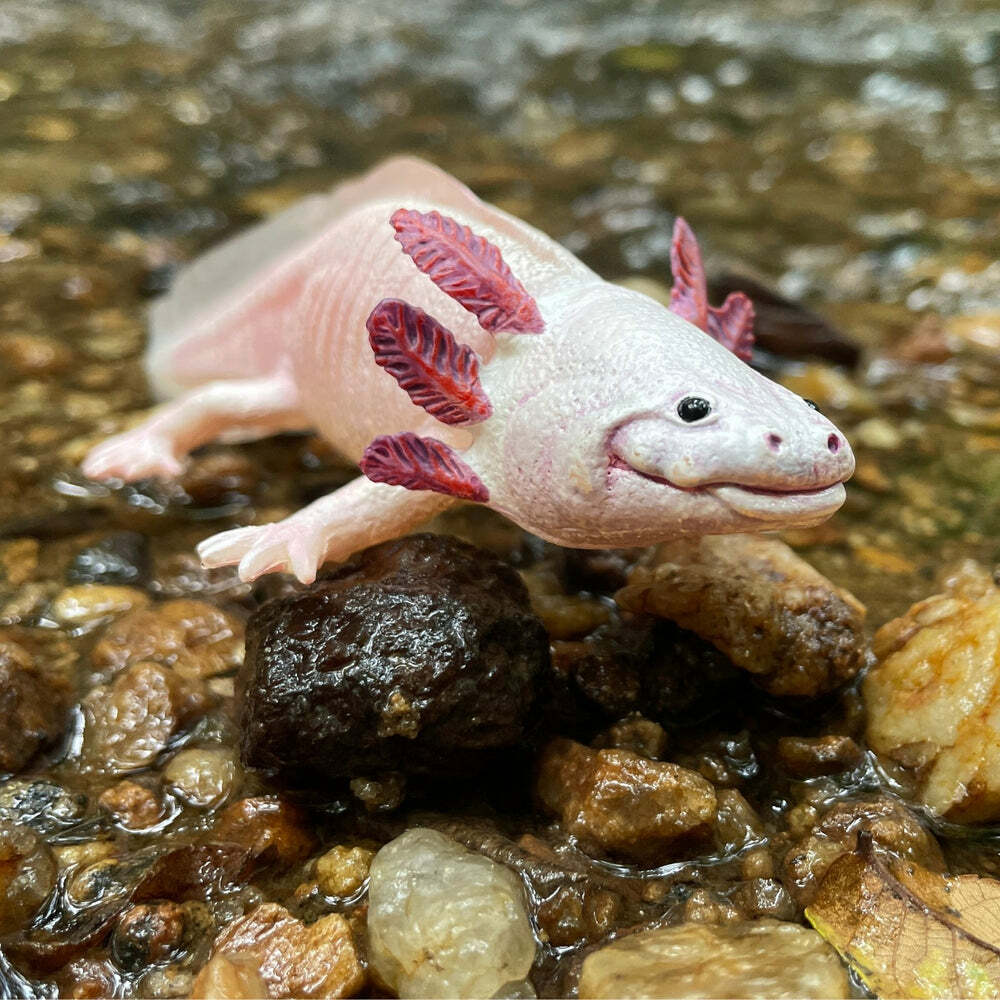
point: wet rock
(764, 897)
(890, 824)
(625, 805)
(759, 959)
(705, 906)
(202, 776)
(33, 356)
(219, 478)
(88, 979)
(121, 558)
(147, 934)
(932, 700)
(768, 610)
(196, 638)
(637, 735)
(83, 603)
(421, 655)
(129, 723)
(343, 870)
(811, 757)
(235, 976)
(648, 666)
(133, 806)
(43, 805)
(444, 922)
(32, 706)
(382, 794)
(269, 827)
(578, 912)
(292, 959)
(27, 875)
(196, 873)
(737, 824)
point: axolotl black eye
(810, 403)
(693, 408)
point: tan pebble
(871, 477)
(202, 776)
(86, 602)
(129, 723)
(932, 701)
(79, 855)
(267, 823)
(979, 330)
(884, 561)
(49, 128)
(19, 560)
(878, 433)
(617, 802)
(342, 870)
(194, 637)
(759, 958)
(33, 355)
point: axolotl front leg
(360, 514)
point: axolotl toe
(456, 353)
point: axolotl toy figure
(456, 353)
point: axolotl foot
(141, 453)
(294, 545)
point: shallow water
(847, 155)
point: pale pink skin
(584, 448)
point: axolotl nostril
(456, 354)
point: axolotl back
(456, 353)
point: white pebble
(444, 922)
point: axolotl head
(610, 420)
(627, 425)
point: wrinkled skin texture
(585, 445)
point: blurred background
(843, 155)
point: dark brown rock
(421, 656)
(786, 328)
(32, 707)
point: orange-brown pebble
(295, 959)
(132, 805)
(267, 824)
(624, 804)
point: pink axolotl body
(458, 354)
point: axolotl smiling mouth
(759, 503)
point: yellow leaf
(910, 932)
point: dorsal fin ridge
(468, 268)
(732, 323)
(421, 463)
(423, 356)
